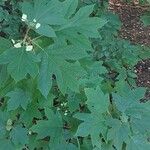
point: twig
(26, 35)
(78, 143)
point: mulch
(133, 29)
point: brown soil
(134, 30)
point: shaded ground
(133, 30)
(143, 73)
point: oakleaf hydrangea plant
(56, 88)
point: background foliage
(67, 80)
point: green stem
(78, 144)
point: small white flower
(9, 122)
(34, 20)
(24, 17)
(17, 45)
(58, 109)
(65, 114)
(29, 48)
(13, 41)
(37, 25)
(30, 132)
(65, 104)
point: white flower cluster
(18, 44)
(24, 17)
(30, 132)
(63, 104)
(58, 109)
(66, 113)
(36, 24)
(29, 47)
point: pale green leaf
(146, 19)
(65, 147)
(82, 23)
(19, 136)
(46, 30)
(51, 127)
(96, 100)
(4, 44)
(18, 98)
(93, 125)
(119, 132)
(30, 113)
(138, 142)
(6, 144)
(3, 75)
(20, 63)
(70, 7)
(4, 116)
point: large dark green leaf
(67, 74)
